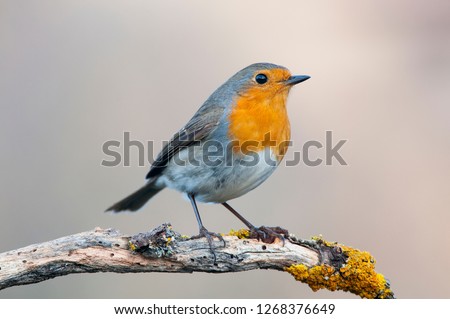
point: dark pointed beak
(296, 79)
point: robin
(230, 146)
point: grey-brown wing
(201, 125)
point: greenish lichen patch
(157, 243)
(357, 275)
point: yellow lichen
(357, 275)
(132, 246)
(241, 233)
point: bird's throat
(259, 120)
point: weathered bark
(161, 250)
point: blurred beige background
(74, 74)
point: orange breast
(259, 120)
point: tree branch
(316, 262)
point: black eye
(261, 78)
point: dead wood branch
(315, 262)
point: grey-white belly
(217, 181)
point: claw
(269, 234)
(209, 238)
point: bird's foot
(269, 234)
(209, 238)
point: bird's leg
(263, 233)
(203, 232)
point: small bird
(231, 145)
